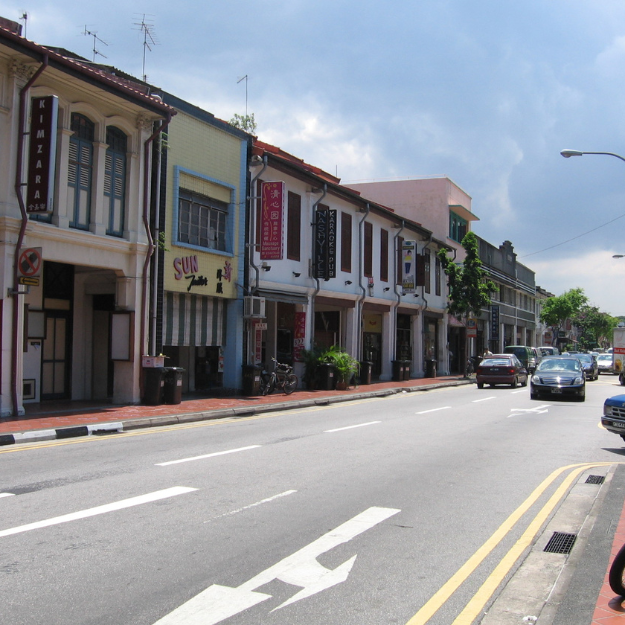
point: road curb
(33, 436)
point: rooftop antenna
(94, 34)
(149, 39)
(24, 17)
(238, 81)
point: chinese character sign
(272, 221)
(299, 336)
(408, 265)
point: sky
(486, 93)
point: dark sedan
(501, 369)
(559, 376)
(590, 366)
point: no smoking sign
(30, 262)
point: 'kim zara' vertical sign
(42, 150)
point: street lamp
(569, 153)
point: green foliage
(469, 289)
(556, 310)
(244, 122)
(344, 364)
(311, 359)
(162, 241)
(595, 326)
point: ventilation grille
(560, 543)
(595, 479)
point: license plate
(616, 424)
(556, 390)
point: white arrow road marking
(537, 410)
(110, 507)
(483, 399)
(351, 427)
(217, 603)
(521, 391)
(433, 410)
(217, 453)
(7, 495)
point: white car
(606, 363)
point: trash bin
(398, 370)
(365, 372)
(326, 376)
(172, 389)
(153, 381)
(430, 368)
(407, 365)
(251, 379)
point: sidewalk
(51, 420)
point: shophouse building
(75, 180)
(327, 266)
(198, 321)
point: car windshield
(584, 357)
(606, 357)
(559, 364)
(496, 362)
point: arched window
(80, 171)
(115, 181)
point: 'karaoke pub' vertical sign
(325, 244)
(272, 221)
(42, 148)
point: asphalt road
(392, 510)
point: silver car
(605, 363)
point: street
(392, 510)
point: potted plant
(345, 366)
(311, 359)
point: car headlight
(536, 379)
(579, 380)
(607, 411)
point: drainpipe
(397, 293)
(155, 268)
(362, 288)
(15, 345)
(146, 224)
(252, 224)
(318, 284)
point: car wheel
(480, 385)
(524, 383)
(533, 395)
(514, 383)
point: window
(115, 181)
(346, 242)
(80, 171)
(426, 265)
(437, 276)
(294, 226)
(398, 261)
(383, 255)
(457, 227)
(202, 221)
(368, 259)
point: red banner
(300, 335)
(271, 221)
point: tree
(244, 122)
(469, 289)
(556, 310)
(595, 327)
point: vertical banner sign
(408, 266)
(42, 149)
(331, 243)
(299, 335)
(494, 323)
(272, 221)
(321, 245)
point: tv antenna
(24, 16)
(149, 39)
(94, 34)
(241, 80)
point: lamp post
(569, 153)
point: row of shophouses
(136, 224)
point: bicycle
(282, 378)
(617, 571)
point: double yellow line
(485, 592)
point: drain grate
(595, 479)
(560, 543)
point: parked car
(501, 369)
(589, 363)
(525, 354)
(559, 376)
(613, 418)
(605, 363)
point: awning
(193, 320)
(454, 323)
(282, 296)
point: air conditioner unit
(254, 307)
